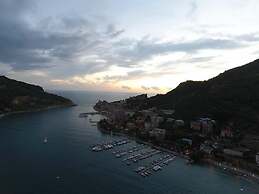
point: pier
(155, 166)
(138, 153)
(109, 145)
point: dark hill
(231, 96)
(20, 96)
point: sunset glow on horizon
(126, 46)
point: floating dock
(154, 166)
(138, 153)
(109, 145)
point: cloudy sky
(130, 45)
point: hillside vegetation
(20, 96)
(232, 96)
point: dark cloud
(252, 37)
(136, 73)
(112, 31)
(129, 76)
(199, 59)
(188, 59)
(145, 49)
(113, 78)
(66, 44)
(51, 42)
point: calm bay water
(27, 165)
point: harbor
(152, 158)
(69, 165)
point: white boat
(45, 140)
(97, 148)
(141, 168)
(157, 167)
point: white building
(168, 112)
(206, 148)
(148, 125)
(156, 120)
(237, 152)
(148, 113)
(130, 113)
(159, 134)
(179, 123)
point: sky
(126, 46)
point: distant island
(16, 97)
(216, 121)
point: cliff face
(20, 96)
(231, 96)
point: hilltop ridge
(17, 96)
(230, 96)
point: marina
(137, 153)
(155, 165)
(68, 165)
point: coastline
(233, 170)
(36, 110)
(242, 173)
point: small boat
(45, 140)
(108, 146)
(157, 167)
(97, 148)
(139, 169)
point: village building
(158, 134)
(129, 113)
(206, 149)
(130, 126)
(226, 132)
(148, 112)
(118, 115)
(168, 124)
(237, 152)
(187, 140)
(140, 123)
(196, 125)
(148, 125)
(166, 112)
(257, 159)
(205, 126)
(179, 123)
(156, 120)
